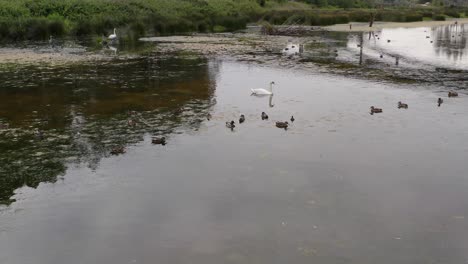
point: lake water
(339, 186)
(444, 46)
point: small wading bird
(439, 102)
(263, 91)
(402, 105)
(374, 110)
(264, 116)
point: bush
(38, 28)
(203, 26)
(296, 19)
(426, 14)
(137, 30)
(342, 19)
(399, 16)
(231, 23)
(56, 28)
(219, 29)
(452, 13)
(359, 16)
(438, 17)
(83, 27)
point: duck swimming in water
(118, 150)
(402, 105)
(241, 119)
(230, 125)
(282, 125)
(375, 110)
(158, 140)
(292, 119)
(264, 116)
(439, 102)
(452, 94)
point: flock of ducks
(154, 140)
(279, 124)
(231, 124)
(374, 110)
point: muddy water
(339, 186)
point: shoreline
(21, 56)
(364, 27)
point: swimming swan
(262, 91)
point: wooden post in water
(361, 38)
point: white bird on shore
(113, 36)
(262, 91)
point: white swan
(262, 91)
(112, 36)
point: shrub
(359, 16)
(38, 28)
(426, 14)
(83, 27)
(438, 17)
(452, 13)
(218, 29)
(296, 19)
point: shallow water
(442, 46)
(339, 186)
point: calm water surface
(443, 46)
(339, 186)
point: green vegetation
(38, 19)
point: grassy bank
(38, 19)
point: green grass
(38, 19)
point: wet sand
(364, 27)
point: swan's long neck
(114, 31)
(271, 87)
